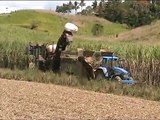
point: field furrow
(29, 100)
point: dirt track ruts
(20, 99)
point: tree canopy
(65, 8)
(130, 12)
(133, 14)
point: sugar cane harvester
(64, 40)
(48, 56)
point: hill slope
(148, 34)
(51, 22)
(27, 100)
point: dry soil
(29, 100)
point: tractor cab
(111, 69)
(110, 61)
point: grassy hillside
(18, 34)
(53, 23)
(148, 34)
(44, 21)
(50, 25)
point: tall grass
(143, 61)
(13, 43)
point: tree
(131, 13)
(76, 6)
(71, 6)
(94, 5)
(116, 0)
(82, 4)
(103, 1)
(100, 9)
(87, 11)
(65, 8)
(97, 29)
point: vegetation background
(140, 46)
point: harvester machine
(85, 64)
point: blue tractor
(110, 68)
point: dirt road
(20, 99)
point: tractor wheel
(130, 78)
(118, 78)
(99, 75)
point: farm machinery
(111, 68)
(91, 64)
(85, 64)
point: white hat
(70, 27)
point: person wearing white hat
(65, 39)
(69, 29)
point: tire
(99, 75)
(130, 78)
(118, 78)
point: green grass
(53, 23)
(9, 33)
(45, 21)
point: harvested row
(29, 100)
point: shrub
(34, 24)
(97, 29)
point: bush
(34, 24)
(97, 29)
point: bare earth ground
(20, 99)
